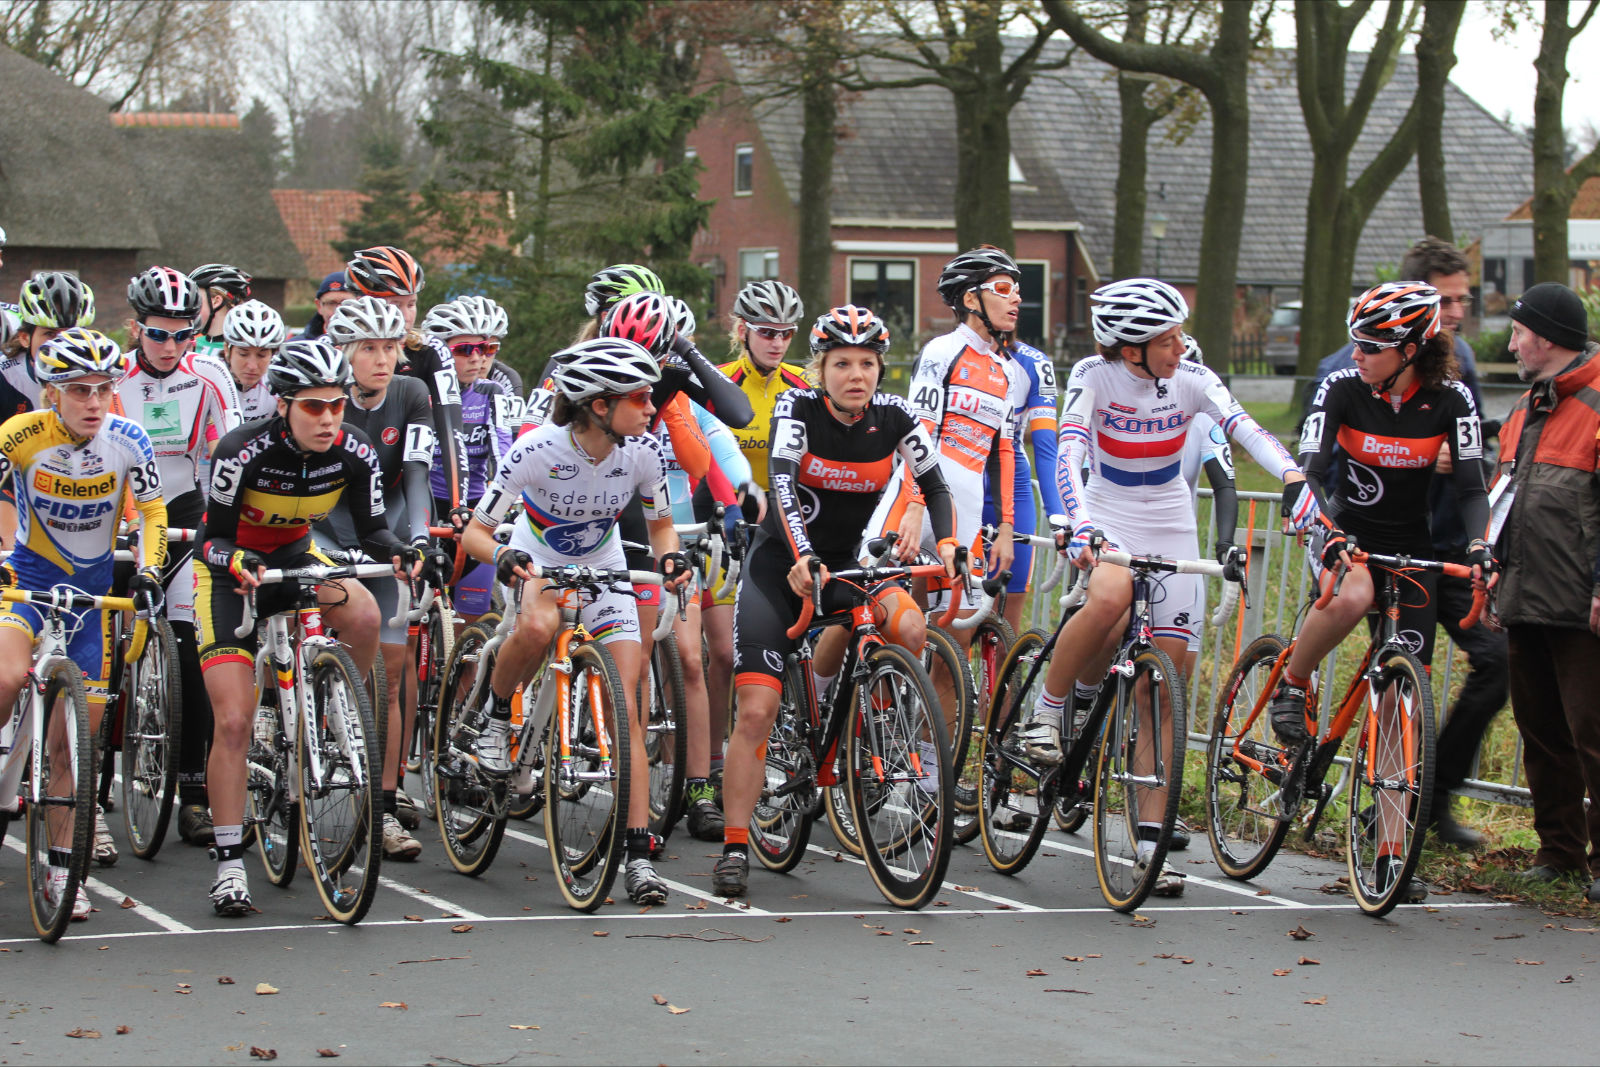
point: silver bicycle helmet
(253, 325)
(604, 366)
(1135, 310)
(365, 318)
(769, 301)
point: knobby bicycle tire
(471, 807)
(341, 828)
(270, 781)
(1012, 800)
(780, 824)
(71, 813)
(586, 805)
(947, 664)
(666, 742)
(1245, 819)
(152, 702)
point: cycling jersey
(827, 476)
(702, 457)
(571, 505)
(69, 502)
(185, 413)
(18, 391)
(257, 402)
(1391, 444)
(763, 389)
(968, 397)
(487, 414)
(1038, 426)
(430, 362)
(400, 431)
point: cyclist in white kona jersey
(252, 335)
(572, 478)
(1127, 414)
(186, 404)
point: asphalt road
(815, 969)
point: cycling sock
(822, 682)
(1049, 708)
(1148, 834)
(60, 857)
(500, 710)
(735, 839)
(1085, 693)
(1298, 683)
(698, 788)
(391, 805)
(230, 847)
(638, 843)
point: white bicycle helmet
(603, 366)
(253, 325)
(499, 321)
(682, 317)
(307, 363)
(365, 318)
(1135, 310)
(460, 317)
(1191, 350)
(769, 301)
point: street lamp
(1158, 230)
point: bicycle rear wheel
(949, 671)
(269, 799)
(1013, 805)
(471, 807)
(152, 700)
(455, 681)
(586, 792)
(1139, 774)
(61, 802)
(340, 765)
(1245, 768)
(666, 741)
(780, 825)
(897, 760)
(1391, 784)
(435, 640)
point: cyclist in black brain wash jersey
(270, 481)
(833, 451)
(393, 413)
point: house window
(1080, 300)
(888, 287)
(744, 161)
(1034, 312)
(756, 264)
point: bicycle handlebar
(322, 573)
(1404, 563)
(812, 606)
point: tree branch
(1199, 70)
(1587, 15)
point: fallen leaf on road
(327, 1053)
(919, 942)
(265, 990)
(81, 1032)
(700, 906)
(263, 1053)
(461, 928)
(1142, 920)
(965, 888)
(674, 1009)
(450, 915)
(884, 933)
(1300, 933)
(1574, 930)
(1036, 973)
(1530, 963)
(1085, 992)
(412, 918)
(610, 900)
(124, 1029)
(909, 930)
(602, 933)
(225, 980)
(1004, 907)
(128, 902)
(394, 1004)
(1511, 937)
(838, 858)
(1307, 961)
(783, 919)
(523, 1026)
(1316, 1000)
(1263, 892)
(1564, 981)
(1280, 972)
(658, 998)
(1073, 959)
(941, 903)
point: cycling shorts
(1419, 590)
(767, 607)
(1027, 523)
(611, 616)
(88, 646)
(219, 609)
(474, 593)
(1176, 604)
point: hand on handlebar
(751, 492)
(675, 569)
(1081, 548)
(1336, 550)
(460, 516)
(947, 556)
(436, 568)
(910, 532)
(1004, 549)
(511, 564)
(407, 563)
(1233, 559)
(247, 569)
(800, 580)
(146, 585)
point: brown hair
(565, 412)
(1431, 256)
(1435, 361)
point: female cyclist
(572, 478)
(392, 412)
(70, 464)
(1127, 416)
(252, 334)
(832, 448)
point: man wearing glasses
(1483, 693)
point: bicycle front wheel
(269, 799)
(1012, 801)
(951, 674)
(151, 726)
(666, 741)
(780, 825)
(897, 760)
(340, 792)
(1391, 784)
(1246, 767)
(61, 802)
(472, 807)
(586, 780)
(435, 640)
(1139, 774)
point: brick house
(105, 194)
(894, 176)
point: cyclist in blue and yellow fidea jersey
(70, 462)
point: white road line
(1163, 911)
(430, 898)
(1010, 904)
(681, 887)
(1210, 883)
(115, 895)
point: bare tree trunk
(818, 138)
(1553, 185)
(983, 142)
(540, 229)
(1436, 55)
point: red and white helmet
(164, 291)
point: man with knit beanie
(1546, 530)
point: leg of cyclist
(514, 664)
(1322, 630)
(1087, 638)
(350, 609)
(643, 883)
(231, 683)
(757, 701)
(716, 623)
(705, 820)
(400, 664)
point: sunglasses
(82, 391)
(161, 337)
(1372, 348)
(1003, 287)
(474, 348)
(774, 333)
(314, 407)
(638, 398)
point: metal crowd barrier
(1277, 566)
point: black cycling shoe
(705, 821)
(194, 825)
(1288, 711)
(731, 876)
(1180, 837)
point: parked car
(1281, 338)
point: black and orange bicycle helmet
(1397, 311)
(385, 271)
(849, 325)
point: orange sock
(736, 835)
